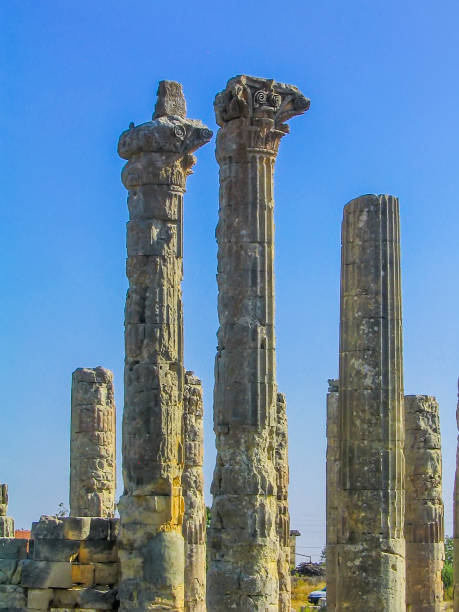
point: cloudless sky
(383, 78)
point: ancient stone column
(151, 545)
(243, 540)
(424, 531)
(194, 520)
(92, 443)
(456, 519)
(6, 522)
(333, 504)
(283, 515)
(371, 547)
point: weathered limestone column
(333, 505)
(92, 443)
(243, 541)
(194, 520)
(151, 545)
(371, 547)
(6, 522)
(456, 518)
(283, 515)
(424, 527)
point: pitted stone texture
(92, 444)
(456, 518)
(194, 520)
(151, 545)
(424, 526)
(371, 548)
(243, 542)
(333, 503)
(6, 522)
(283, 515)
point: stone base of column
(426, 560)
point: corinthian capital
(254, 98)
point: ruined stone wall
(424, 531)
(6, 522)
(283, 515)
(243, 540)
(69, 563)
(151, 546)
(93, 443)
(194, 520)
(371, 546)
(333, 501)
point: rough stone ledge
(75, 528)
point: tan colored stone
(83, 574)
(370, 549)
(39, 599)
(92, 444)
(6, 522)
(243, 539)
(159, 159)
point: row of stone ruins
(384, 503)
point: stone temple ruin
(384, 501)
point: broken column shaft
(6, 522)
(371, 548)
(243, 540)
(92, 443)
(194, 520)
(151, 545)
(424, 532)
(283, 515)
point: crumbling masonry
(6, 522)
(370, 546)
(243, 539)
(151, 545)
(424, 532)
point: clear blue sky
(384, 87)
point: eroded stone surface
(92, 444)
(151, 545)
(283, 515)
(371, 548)
(424, 530)
(456, 518)
(243, 540)
(6, 522)
(333, 503)
(194, 520)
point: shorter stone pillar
(424, 533)
(283, 516)
(194, 519)
(294, 533)
(456, 519)
(333, 513)
(92, 444)
(6, 522)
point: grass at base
(301, 587)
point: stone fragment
(194, 520)
(159, 159)
(39, 599)
(49, 527)
(283, 515)
(243, 542)
(92, 444)
(424, 523)
(13, 548)
(333, 503)
(370, 549)
(56, 550)
(46, 574)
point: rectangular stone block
(100, 528)
(77, 527)
(83, 574)
(56, 550)
(106, 573)
(13, 548)
(10, 571)
(48, 527)
(47, 574)
(84, 599)
(38, 599)
(97, 551)
(114, 529)
(12, 597)
(6, 527)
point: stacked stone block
(194, 520)
(283, 515)
(70, 563)
(424, 525)
(243, 540)
(371, 546)
(92, 443)
(151, 546)
(333, 503)
(6, 522)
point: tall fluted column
(194, 520)
(456, 518)
(243, 540)
(333, 503)
(371, 547)
(424, 530)
(92, 443)
(283, 515)
(151, 545)
(6, 522)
